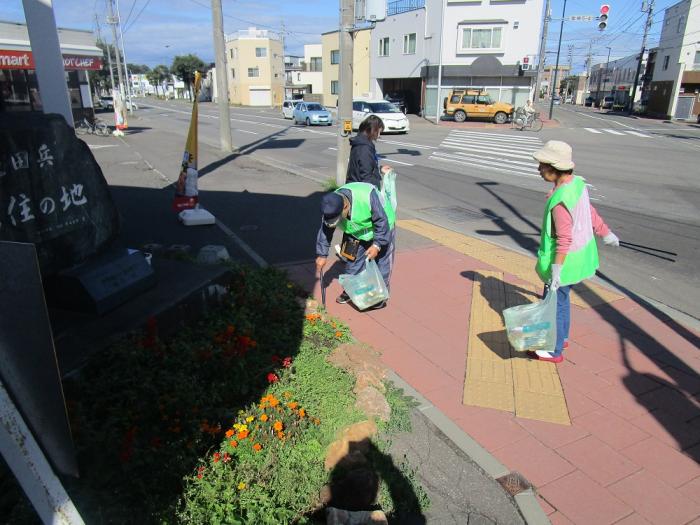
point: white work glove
(556, 277)
(611, 239)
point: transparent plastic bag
(533, 326)
(367, 288)
(389, 188)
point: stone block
(213, 254)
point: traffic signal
(603, 18)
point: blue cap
(331, 205)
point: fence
(402, 6)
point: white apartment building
(675, 85)
(478, 44)
(304, 75)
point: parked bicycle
(530, 121)
(85, 127)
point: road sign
(347, 126)
(581, 18)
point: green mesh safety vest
(360, 223)
(582, 260)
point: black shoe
(342, 298)
(378, 306)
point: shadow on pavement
(355, 481)
(671, 402)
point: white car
(288, 108)
(393, 118)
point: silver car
(312, 113)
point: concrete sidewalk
(627, 450)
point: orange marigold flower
(302, 412)
(280, 435)
(274, 401)
(264, 417)
(278, 426)
(293, 405)
(257, 447)
(229, 433)
(233, 443)
(339, 334)
(243, 434)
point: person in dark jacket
(363, 165)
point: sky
(157, 30)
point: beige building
(255, 68)
(331, 58)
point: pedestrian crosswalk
(500, 152)
(603, 131)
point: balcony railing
(403, 6)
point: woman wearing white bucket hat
(568, 253)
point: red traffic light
(604, 9)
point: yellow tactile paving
(489, 377)
(497, 377)
(522, 266)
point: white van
(288, 107)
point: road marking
(630, 132)
(262, 263)
(593, 130)
(334, 149)
(598, 118)
(476, 163)
(480, 144)
(613, 132)
(246, 131)
(396, 161)
(488, 150)
(100, 146)
(419, 146)
(504, 137)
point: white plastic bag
(367, 288)
(533, 326)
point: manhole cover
(249, 228)
(458, 213)
(514, 483)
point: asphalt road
(643, 177)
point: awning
(11, 59)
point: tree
(138, 69)
(158, 75)
(101, 79)
(184, 67)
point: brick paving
(630, 379)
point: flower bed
(226, 422)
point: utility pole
(345, 38)
(111, 21)
(109, 52)
(556, 67)
(605, 82)
(438, 98)
(587, 89)
(543, 50)
(126, 67)
(647, 26)
(217, 20)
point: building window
(681, 24)
(667, 58)
(298, 77)
(253, 72)
(316, 64)
(260, 52)
(480, 37)
(335, 56)
(233, 73)
(231, 52)
(384, 47)
(696, 63)
(409, 44)
(335, 87)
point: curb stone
(526, 501)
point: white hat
(557, 154)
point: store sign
(25, 60)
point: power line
(137, 16)
(130, 11)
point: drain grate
(514, 483)
(458, 213)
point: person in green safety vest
(367, 222)
(568, 253)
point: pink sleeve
(563, 225)
(599, 227)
